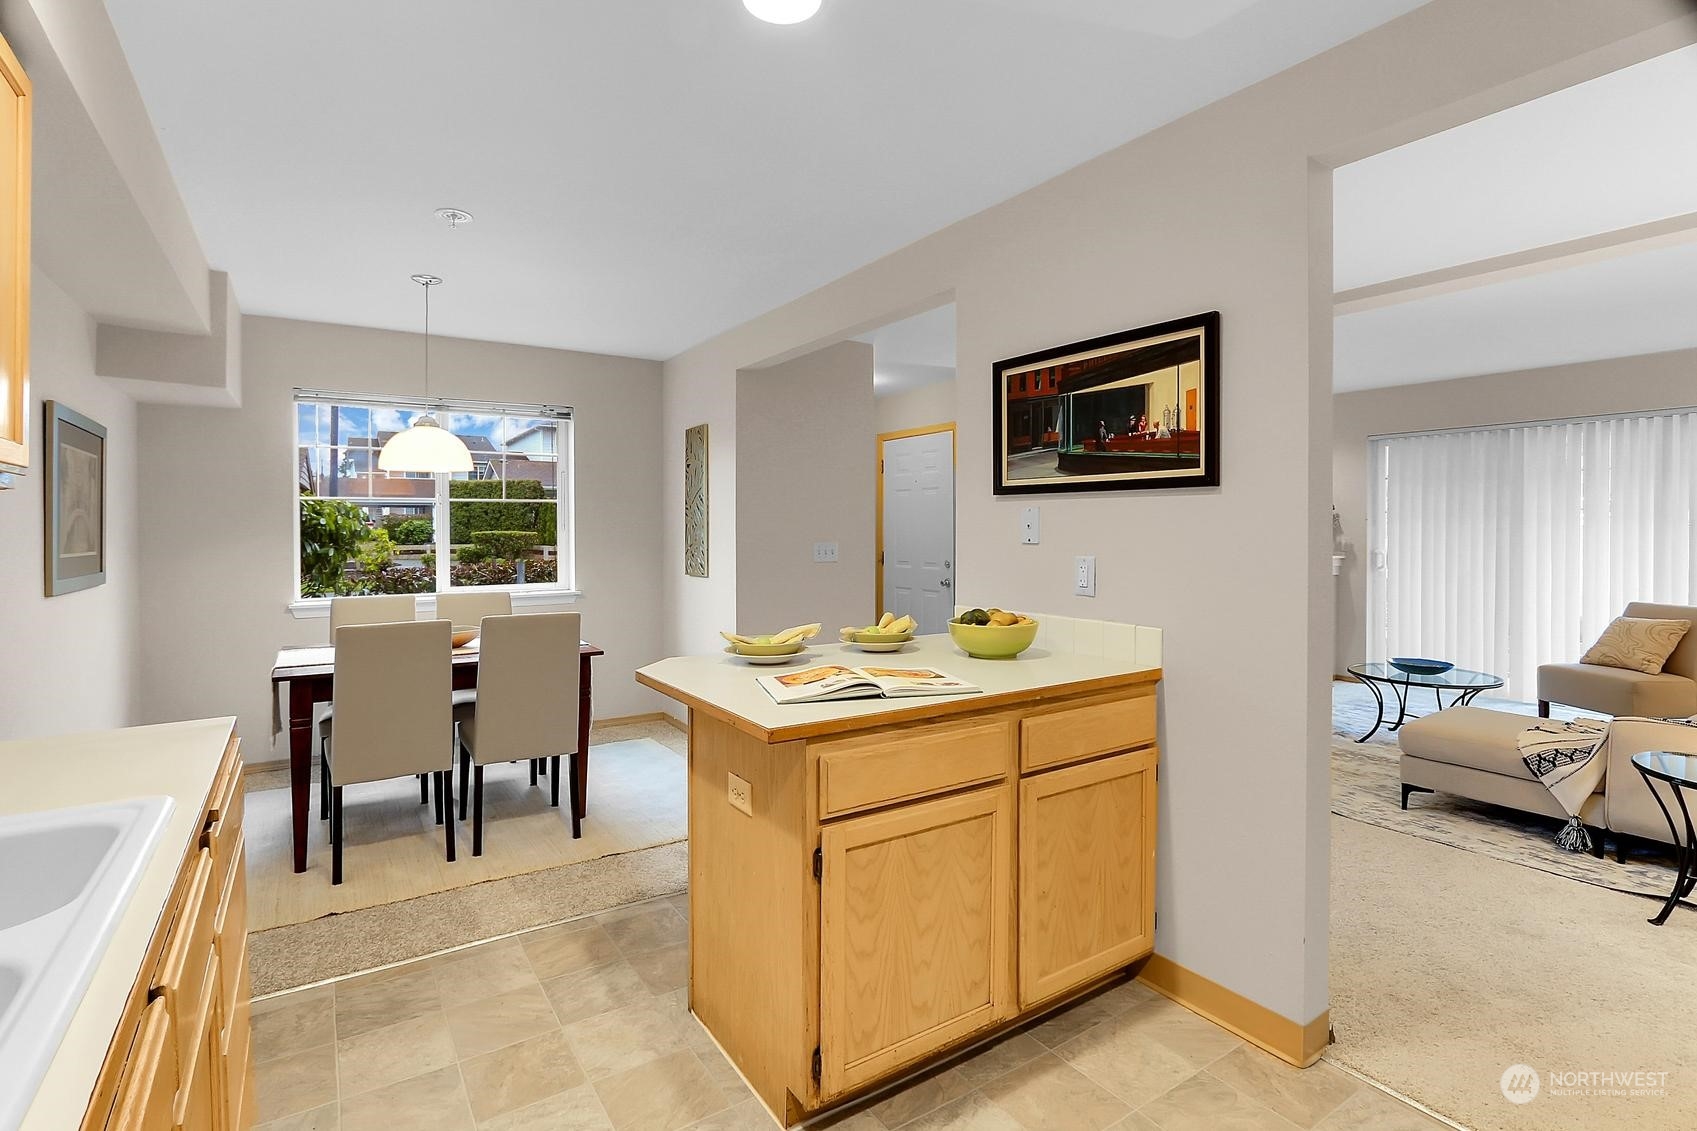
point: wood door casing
(15, 108)
(1086, 872)
(915, 933)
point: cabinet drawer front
(866, 772)
(197, 1091)
(1086, 872)
(1077, 733)
(237, 1052)
(182, 976)
(232, 942)
(149, 1084)
(226, 813)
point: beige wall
(217, 513)
(917, 408)
(1227, 209)
(74, 665)
(1625, 384)
(806, 473)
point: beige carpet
(394, 849)
(1447, 966)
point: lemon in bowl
(993, 641)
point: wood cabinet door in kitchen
(1086, 872)
(915, 932)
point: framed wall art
(1138, 409)
(74, 466)
(695, 501)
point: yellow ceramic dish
(993, 642)
(875, 637)
(789, 649)
(464, 634)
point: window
(362, 530)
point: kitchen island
(875, 883)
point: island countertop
(725, 686)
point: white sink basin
(66, 876)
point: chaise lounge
(1668, 694)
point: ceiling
(646, 175)
(1608, 154)
(914, 352)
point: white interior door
(919, 528)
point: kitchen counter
(179, 760)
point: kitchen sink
(66, 876)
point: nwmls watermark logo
(1521, 1084)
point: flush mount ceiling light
(425, 446)
(782, 11)
(455, 217)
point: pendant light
(782, 11)
(425, 445)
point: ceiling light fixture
(454, 216)
(782, 11)
(425, 445)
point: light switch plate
(824, 551)
(740, 795)
(1030, 526)
(1084, 575)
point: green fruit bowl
(993, 642)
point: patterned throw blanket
(1567, 758)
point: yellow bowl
(864, 637)
(789, 649)
(464, 634)
(993, 642)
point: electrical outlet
(1030, 527)
(1084, 576)
(740, 795)
(824, 551)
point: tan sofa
(1474, 752)
(1672, 694)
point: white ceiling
(914, 352)
(645, 175)
(1614, 152)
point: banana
(903, 624)
(800, 632)
(733, 638)
(885, 621)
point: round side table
(1679, 771)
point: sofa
(1671, 694)
(1474, 752)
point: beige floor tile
(723, 1074)
(1302, 1095)
(1134, 1122)
(568, 948)
(1206, 1103)
(520, 1075)
(663, 970)
(662, 1095)
(435, 1101)
(397, 1052)
(296, 1082)
(505, 1019)
(374, 1001)
(482, 972)
(1198, 1040)
(576, 1109)
(1004, 1056)
(848, 1119)
(971, 1112)
(590, 992)
(680, 902)
(324, 1118)
(1060, 1027)
(1130, 1064)
(746, 1116)
(1372, 1110)
(1047, 1094)
(916, 1098)
(622, 1039)
(1126, 994)
(292, 1022)
(645, 927)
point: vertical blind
(1505, 548)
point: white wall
(917, 408)
(806, 473)
(75, 654)
(1227, 209)
(1626, 384)
(217, 513)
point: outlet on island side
(740, 795)
(1084, 575)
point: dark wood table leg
(300, 762)
(580, 792)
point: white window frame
(564, 591)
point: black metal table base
(1402, 687)
(1685, 847)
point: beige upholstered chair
(526, 706)
(1632, 810)
(393, 716)
(383, 608)
(1670, 694)
(471, 606)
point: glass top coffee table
(1466, 684)
(1679, 771)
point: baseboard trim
(1288, 1040)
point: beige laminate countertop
(178, 760)
(724, 685)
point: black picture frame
(1066, 400)
(74, 498)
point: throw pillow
(1637, 644)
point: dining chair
(527, 705)
(393, 716)
(468, 609)
(380, 608)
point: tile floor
(585, 1027)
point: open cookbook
(834, 681)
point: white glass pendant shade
(427, 447)
(782, 11)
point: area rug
(395, 850)
(301, 954)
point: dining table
(305, 676)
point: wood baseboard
(1291, 1042)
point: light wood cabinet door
(149, 1083)
(15, 108)
(1086, 872)
(915, 933)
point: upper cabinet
(14, 261)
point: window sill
(318, 608)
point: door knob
(946, 583)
